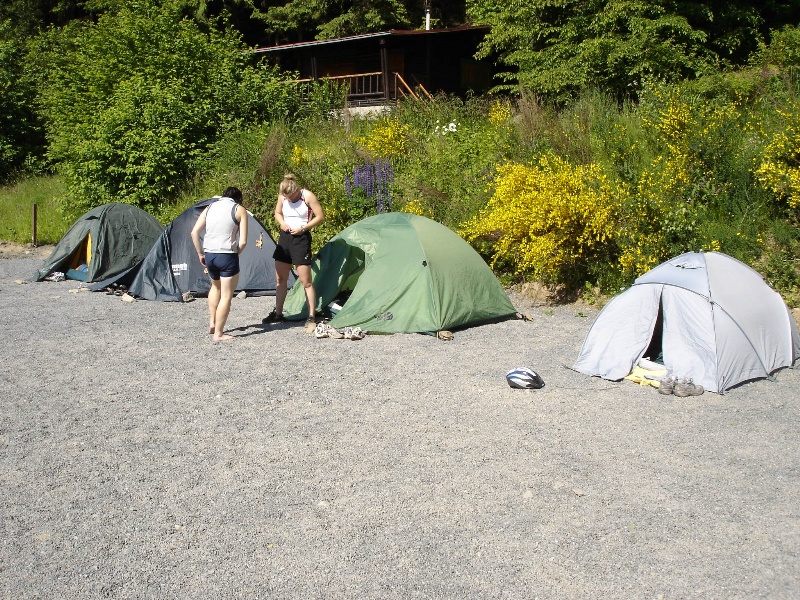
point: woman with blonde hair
(297, 211)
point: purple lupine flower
(375, 181)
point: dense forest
(620, 132)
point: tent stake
(35, 239)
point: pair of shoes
(273, 317)
(667, 385)
(311, 324)
(686, 387)
(323, 330)
(354, 333)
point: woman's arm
(241, 213)
(279, 214)
(199, 226)
(316, 208)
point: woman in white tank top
(225, 224)
(297, 211)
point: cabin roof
(353, 38)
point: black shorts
(293, 249)
(222, 265)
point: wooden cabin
(383, 67)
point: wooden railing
(368, 88)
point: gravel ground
(139, 460)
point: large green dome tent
(402, 273)
(103, 243)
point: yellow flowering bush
(416, 207)
(387, 139)
(779, 170)
(550, 220)
(499, 113)
(299, 157)
(666, 213)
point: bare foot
(222, 338)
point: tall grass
(16, 211)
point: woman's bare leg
(282, 271)
(304, 274)
(227, 287)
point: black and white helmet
(524, 378)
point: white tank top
(222, 230)
(296, 214)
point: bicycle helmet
(524, 378)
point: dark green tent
(108, 240)
(398, 272)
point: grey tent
(172, 268)
(106, 241)
(703, 315)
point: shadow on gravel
(259, 328)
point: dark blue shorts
(222, 265)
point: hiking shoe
(667, 385)
(686, 387)
(332, 332)
(311, 325)
(272, 317)
(323, 330)
(354, 333)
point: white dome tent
(705, 315)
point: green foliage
(556, 48)
(246, 158)
(134, 103)
(298, 20)
(454, 148)
(783, 49)
(779, 170)
(364, 17)
(29, 16)
(21, 135)
(778, 261)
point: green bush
(454, 152)
(134, 104)
(21, 133)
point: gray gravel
(139, 460)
